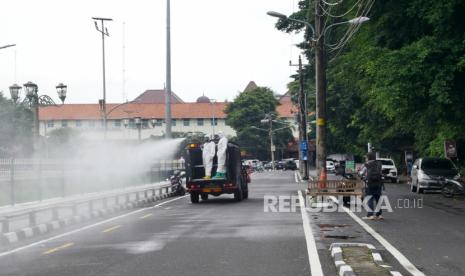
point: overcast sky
(218, 46)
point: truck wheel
(245, 193)
(194, 197)
(204, 196)
(238, 196)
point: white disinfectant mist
(111, 165)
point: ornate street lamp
(33, 100)
(31, 90)
(14, 91)
(61, 90)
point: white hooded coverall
(207, 155)
(222, 146)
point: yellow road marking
(111, 229)
(58, 248)
(146, 216)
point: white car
(389, 169)
(330, 167)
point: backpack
(374, 175)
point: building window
(64, 123)
(159, 122)
(186, 122)
(213, 122)
(78, 123)
(117, 123)
(92, 124)
(132, 123)
(200, 122)
(145, 123)
(50, 124)
(173, 122)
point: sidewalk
(334, 229)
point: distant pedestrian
(372, 174)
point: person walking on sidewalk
(372, 174)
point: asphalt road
(216, 237)
(427, 228)
(224, 237)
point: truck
(236, 181)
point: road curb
(40, 229)
(345, 269)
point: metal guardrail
(335, 188)
(93, 201)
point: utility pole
(272, 147)
(303, 119)
(168, 73)
(320, 78)
(104, 32)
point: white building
(201, 116)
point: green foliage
(400, 82)
(244, 115)
(62, 142)
(15, 128)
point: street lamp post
(104, 31)
(302, 120)
(270, 131)
(168, 73)
(33, 100)
(7, 46)
(317, 42)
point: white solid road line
(313, 257)
(85, 228)
(389, 247)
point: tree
(244, 115)
(399, 82)
(63, 142)
(15, 128)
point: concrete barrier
(24, 221)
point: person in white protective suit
(221, 154)
(208, 154)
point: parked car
(330, 166)
(430, 173)
(290, 165)
(279, 165)
(389, 169)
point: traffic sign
(303, 145)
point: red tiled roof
(286, 110)
(250, 86)
(156, 96)
(130, 110)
